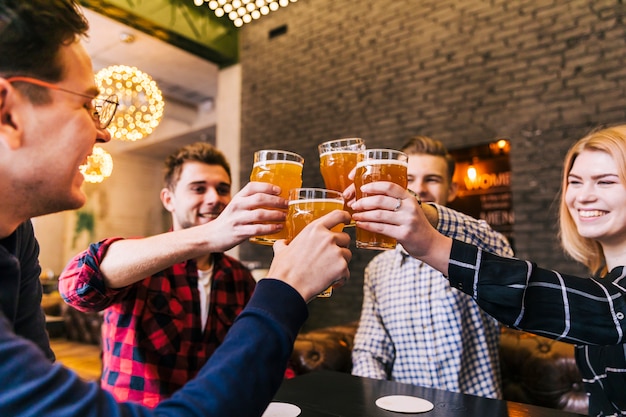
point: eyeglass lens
(105, 110)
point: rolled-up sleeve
(467, 229)
(81, 284)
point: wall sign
(483, 174)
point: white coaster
(276, 409)
(404, 404)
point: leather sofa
(82, 327)
(535, 370)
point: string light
(141, 101)
(243, 11)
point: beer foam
(318, 200)
(261, 163)
(340, 151)
(381, 162)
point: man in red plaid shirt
(168, 300)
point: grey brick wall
(541, 73)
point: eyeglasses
(102, 108)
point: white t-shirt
(204, 286)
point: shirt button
(620, 316)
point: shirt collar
(403, 256)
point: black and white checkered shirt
(588, 312)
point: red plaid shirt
(152, 338)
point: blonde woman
(588, 312)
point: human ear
(452, 191)
(166, 199)
(10, 118)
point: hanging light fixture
(98, 167)
(243, 11)
(141, 102)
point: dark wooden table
(326, 393)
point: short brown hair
(430, 146)
(196, 152)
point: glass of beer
(378, 165)
(308, 204)
(282, 168)
(337, 158)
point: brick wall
(541, 73)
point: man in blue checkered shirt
(414, 327)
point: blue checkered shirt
(416, 329)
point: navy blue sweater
(239, 380)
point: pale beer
(337, 158)
(379, 165)
(335, 167)
(280, 168)
(308, 204)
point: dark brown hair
(196, 152)
(31, 34)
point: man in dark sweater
(50, 119)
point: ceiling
(188, 83)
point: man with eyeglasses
(50, 119)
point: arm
(521, 295)
(467, 229)
(131, 260)
(318, 252)
(456, 225)
(373, 353)
(240, 379)
(82, 284)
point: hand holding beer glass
(308, 204)
(281, 168)
(378, 165)
(337, 158)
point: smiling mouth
(208, 215)
(588, 214)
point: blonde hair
(587, 251)
(428, 146)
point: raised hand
(247, 215)
(395, 212)
(315, 259)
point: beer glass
(378, 165)
(308, 204)
(337, 158)
(280, 168)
